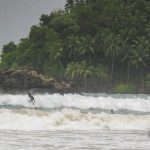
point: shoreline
(23, 81)
(53, 91)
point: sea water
(75, 122)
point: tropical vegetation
(95, 43)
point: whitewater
(74, 121)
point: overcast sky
(17, 16)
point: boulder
(25, 79)
(58, 86)
(52, 80)
(32, 80)
(49, 83)
(32, 74)
(8, 72)
(29, 82)
(65, 85)
(19, 73)
(12, 83)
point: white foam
(78, 101)
(68, 119)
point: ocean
(75, 122)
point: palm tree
(139, 55)
(82, 69)
(101, 71)
(72, 46)
(85, 71)
(112, 48)
(86, 47)
(127, 59)
(69, 5)
(56, 52)
(72, 70)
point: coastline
(23, 81)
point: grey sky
(17, 16)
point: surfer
(32, 100)
(112, 111)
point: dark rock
(31, 82)
(12, 83)
(25, 79)
(8, 72)
(19, 73)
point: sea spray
(140, 104)
(68, 119)
(74, 112)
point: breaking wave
(74, 112)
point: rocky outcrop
(25, 79)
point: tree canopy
(89, 38)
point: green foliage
(8, 56)
(148, 77)
(11, 46)
(81, 69)
(147, 82)
(78, 69)
(65, 25)
(72, 70)
(53, 70)
(124, 89)
(101, 72)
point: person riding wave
(112, 111)
(32, 100)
